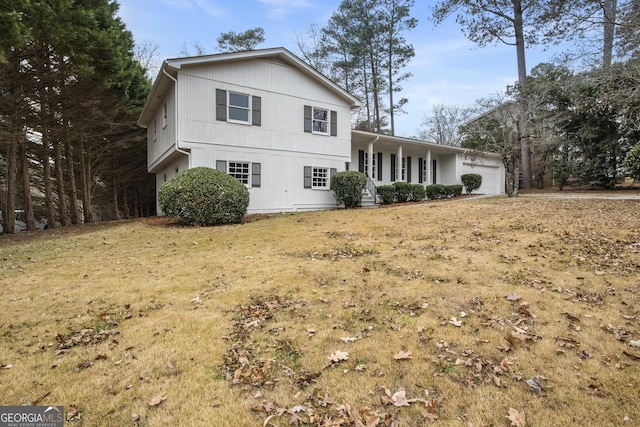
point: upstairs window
(235, 107)
(320, 121)
(239, 107)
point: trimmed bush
(453, 190)
(403, 191)
(417, 192)
(387, 194)
(471, 181)
(435, 191)
(204, 196)
(347, 187)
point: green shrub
(204, 196)
(347, 187)
(471, 181)
(403, 191)
(453, 190)
(435, 191)
(417, 192)
(387, 194)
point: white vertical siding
(165, 135)
(284, 92)
(282, 178)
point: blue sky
(447, 68)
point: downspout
(175, 115)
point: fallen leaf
(634, 343)
(455, 322)
(504, 347)
(513, 297)
(598, 390)
(536, 384)
(338, 356)
(155, 401)
(571, 317)
(399, 398)
(360, 368)
(517, 418)
(349, 339)
(402, 355)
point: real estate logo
(31, 416)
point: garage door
(491, 179)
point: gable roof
(169, 71)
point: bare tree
(497, 128)
(442, 125)
(147, 55)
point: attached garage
(492, 176)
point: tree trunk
(390, 77)
(609, 7)
(50, 212)
(26, 183)
(116, 208)
(511, 176)
(73, 189)
(9, 226)
(62, 200)
(525, 148)
(86, 179)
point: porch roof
(390, 143)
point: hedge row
(439, 191)
(400, 192)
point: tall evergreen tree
(513, 22)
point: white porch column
(370, 158)
(399, 164)
(428, 168)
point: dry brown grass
(147, 323)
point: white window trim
(328, 121)
(248, 174)
(404, 168)
(366, 164)
(229, 106)
(327, 178)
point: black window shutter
(393, 167)
(307, 177)
(408, 168)
(256, 111)
(255, 174)
(334, 123)
(379, 166)
(307, 118)
(221, 105)
(221, 165)
(433, 171)
(361, 161)
(420, 169)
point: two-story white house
(281, 128)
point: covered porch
(387, 159)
